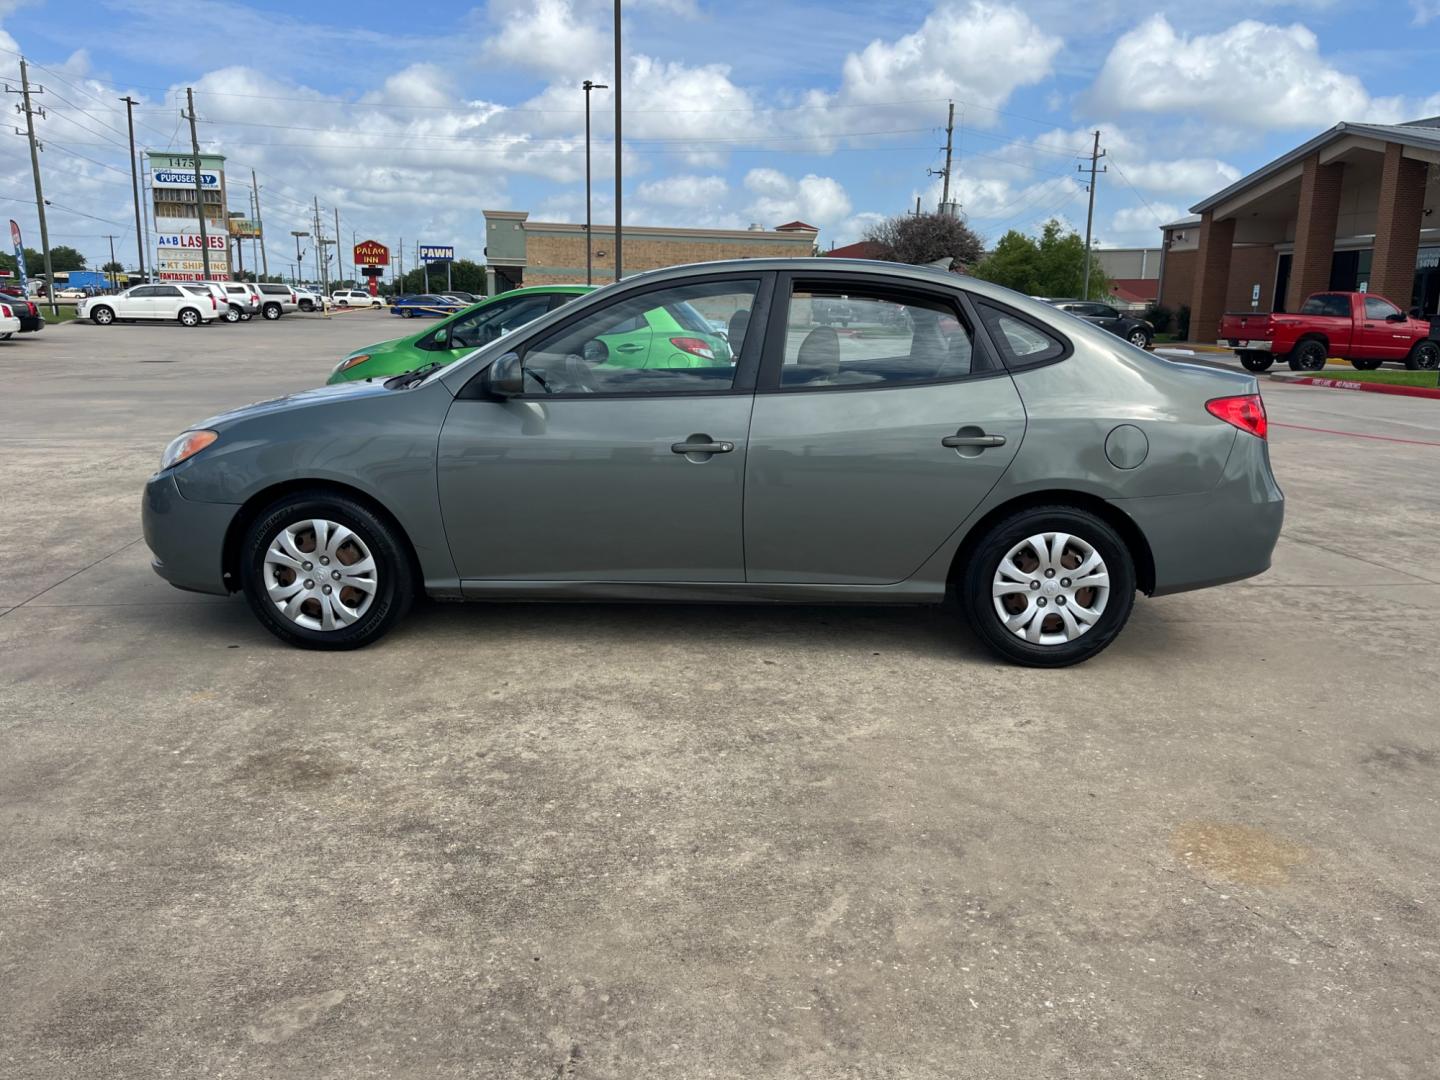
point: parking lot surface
(636, 841)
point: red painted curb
(1368, 387)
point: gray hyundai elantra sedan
(707, 433)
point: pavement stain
(1402, 757)
(291, 1017)
(1241, 854)
(292, 769)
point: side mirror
(441, 336)
(1396, 316)
(1416, 313)
(505, 377)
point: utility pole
(259, 225)
(199, 190)
(400, 259)
(114, 283)
(587, 86)
(619, 147)
(945, 172)
(130, 104)
(35, 149)
(145, 210)
(339, 255)
(299, 256)
(1095, 155)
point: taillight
(5, 311)
(1247, 412)
(694, 346)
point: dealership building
(1351, 209)
(519, 251)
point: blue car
(426, 305)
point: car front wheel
(103, 316)
(231, 315)
(1049, 587)
(1139, 338)
(322, 571)
(271, 311)
(1424, 357)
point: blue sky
(735, 113)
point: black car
(1136, 331)
(26, 310)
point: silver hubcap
(320, 574)
(1051, 588)
(1137, 338)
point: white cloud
(547, 36)
(1250, 75)
(1425, 10)
(979, 52)
(1139, 225)
(1182, 176)
(816, 200)
(699, 192)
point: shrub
(1160, 317)
(1182, 322)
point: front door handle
(701, 447)
(957, 441)
(629, 347)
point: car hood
(380, 347)
(319, 397)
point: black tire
(189, 317)
(1256, 361)
(232, 315)
(245, 316)
(1309, 355)
(102, 315)
(342, 303)
(978, 576)
(1139, 337)
(1424, 357)
(271, 311)
(5, 337)
(395, 577)
(307, 305)
(1366, 365)
(406, 313)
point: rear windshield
(1327, 304)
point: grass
(67, 313)
(1394, 378)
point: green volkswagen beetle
(455, 335)
(673, 335)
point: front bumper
(186, 537)
(1214, 537)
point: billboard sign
(244, 228)
(371, 253)
(184, 178)
(192, 241)
(436, 253)
(19, 254)
(198, 274)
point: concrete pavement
(631, 841)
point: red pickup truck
(1363, 328)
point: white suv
(310, 299)
(355, 298)
(163, 301)
(245, 296)
(277, 299)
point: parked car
(229, 311)
(816, 468)
(425, 305)
(277, 299)
(310, 299)
(166, 301)
(1139, 332)
(464, 297)
(456, 335)
(355, 298)
(70, 294)
(25, 309)
(1364, 328)
(9, 321)
(244, 297)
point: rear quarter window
(1021, 341)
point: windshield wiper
(410, 378)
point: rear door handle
(701, 447)
(955, 441)
(629, 347)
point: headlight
(185, 446)
(349, 362)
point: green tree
(61, 258)
(925, 238)
(1052, 265)
(113, 268)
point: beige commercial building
(519, 251)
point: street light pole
(619, 146)
(299, 258)
(589, 254)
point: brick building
(519, 251)
(1350, 209)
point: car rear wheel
(1424, 357)
(189, 317)
(1256, 361)
(1309, 355)
(406, 313)
(1139, 337)
(271, 311)
(102, 315)
(322, 571)
(1049, 587)
(1366, 365)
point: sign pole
(199, 191)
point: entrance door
(600, 471)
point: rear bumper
(187, 538)
(29, 324)
(1222, 535)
